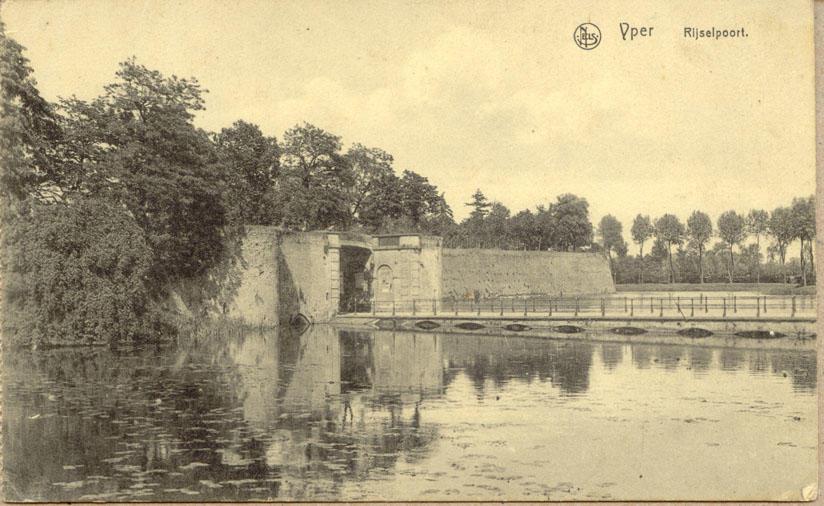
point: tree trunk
(701, 263)
(732, 265)
(641, 270)
(672, 269)
(803, 269)
(757, 259)
(810, 243)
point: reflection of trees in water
(641, 355)
(145, 409)
(668, 356)
(759, 361)
(700, 358)
(730, 359)
(612, 355)
(801, 367)
(565, 364)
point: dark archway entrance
(355, 279)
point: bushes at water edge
(77, 276)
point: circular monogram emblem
(587, 36)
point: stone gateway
(321, 274)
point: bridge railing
(638, 306)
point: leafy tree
(641, 231)
(28, 129)
(731, 229)
(496, 227)
(373, 194)
(440, 220)
(79, 276)
(479, 204)
(313, 190)
(419, 198)
(611, 232)
(757, 224)
(544, 227)
(474, 223)
(699, 231)
(146, 153)
(523, 228)
(802, 219)
(252, 163)
(571, 228)
(780, 227)
(750, 258)
(669, 230)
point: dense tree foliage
(143, 151)
(28, 128)
(731, 230)
(612, 240)
(757, 225)
(670, 230)
(802, 219)
(699, 232)
(78, 276)
(252, 164)
(642, 230)
(780, 227)
(697, 259)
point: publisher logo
(587, 36)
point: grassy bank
(765, 288)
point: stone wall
(308, 278)
(502, 272)
(280, 274)
(252, 293)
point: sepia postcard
(408, 250)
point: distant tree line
(563, 225)
(683, 252)
(696, 251)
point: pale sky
(487, 94)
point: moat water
(340, 415)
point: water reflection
(700, 359)
(612, 355)
(258, 415)
(565, 364)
